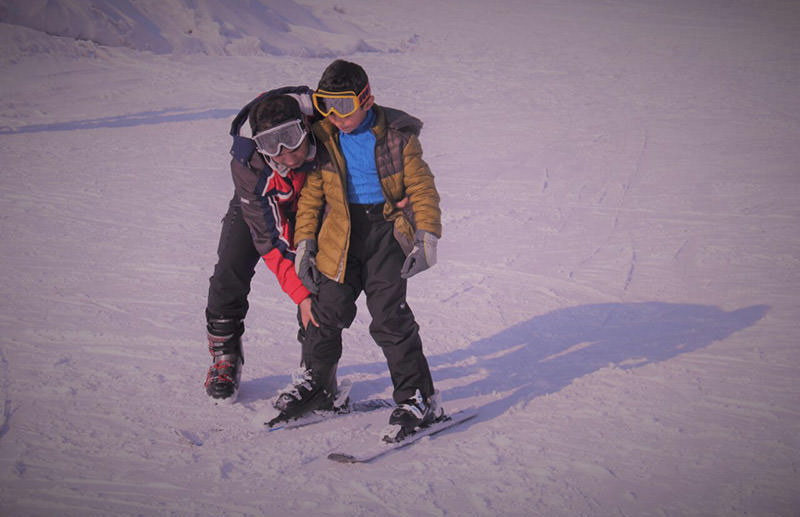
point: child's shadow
(546, 353)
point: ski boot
(412, 414)
(307, 392)
(225, 346)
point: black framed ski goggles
(288, 135)
(343, 104)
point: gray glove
(422, 256)
(305, 264)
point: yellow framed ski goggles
(343, 104)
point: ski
(365, 455)
(313, 417)
(341, 407)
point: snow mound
(181, 27)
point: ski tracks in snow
(5, 396)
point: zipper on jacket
(343, 180)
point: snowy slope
(180, 27)
(616, 288)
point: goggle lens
(343, 104)
(288, 135)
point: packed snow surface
(617, 286)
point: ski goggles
(288, 135)
(343, 104)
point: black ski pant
(237, 259)
(373, 266)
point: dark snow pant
(373, 266)
(237, 259)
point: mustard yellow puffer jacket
(402, 171)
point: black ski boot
(412, 414)
(225, 346)
(308, 391)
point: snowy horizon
(616, 289)
(183, 28)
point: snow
(616, 288)
(201, 26)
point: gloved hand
(305, 264)
(422, 256)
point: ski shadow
(131, 120)
(548, 352)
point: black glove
(422, 256)
(305, 264)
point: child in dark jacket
(368, 219)
(269, 167)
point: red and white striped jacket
(268, 196)
(269, 205)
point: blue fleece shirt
(358, 147)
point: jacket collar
(326, 130)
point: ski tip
(276, 423)
(342, 458)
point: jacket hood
(243, 146)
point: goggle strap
(364, 95)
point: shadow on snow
(136, 119)
(546, 353)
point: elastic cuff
(299, 294)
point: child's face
(348, 124)
(293, 159)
